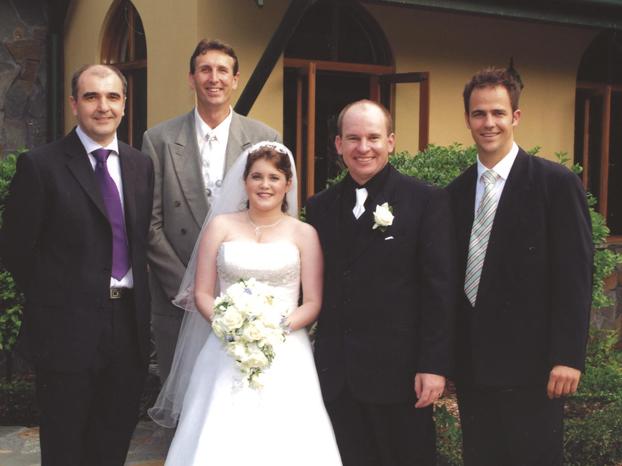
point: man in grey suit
(191, 154)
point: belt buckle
(116, 293)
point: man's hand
(429, 388)
(563, 381)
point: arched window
(598, 125)
(125, 47)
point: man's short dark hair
(206, 45)
(75, 78)
(492, 77)
(387, 116)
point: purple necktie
(112, 200)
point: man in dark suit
(75, 239)
(525, 255)
(191, 154)
(383, 340)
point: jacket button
(177, 203)
(183, 231)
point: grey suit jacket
(179, 200)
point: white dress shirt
(114, 168)
(502, 168)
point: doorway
(598, 126)
(334, 58)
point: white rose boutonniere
(383, 216)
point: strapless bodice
(275, 263)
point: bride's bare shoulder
(303, 232)
(226, 222)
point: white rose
(254, 331)
(256, 358)
(232, 319)
(383, 216)
(238, 351)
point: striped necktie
(480, 233)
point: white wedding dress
(285, 423)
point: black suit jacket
(57, 242)
(387, 306)
(533, 302)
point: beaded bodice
(275, 263)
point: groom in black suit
(383, 341)
(525, 257)
(74, 237)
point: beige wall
(449, 46)
(82, 41)
(172, 30)
(452, 47)
(248, 28)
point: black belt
(120, 293)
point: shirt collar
(221, 131)
(503, 166)
(90, 145)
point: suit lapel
(464, 212)
(184, 153)
(80, 167)
(507, 217)
(328, 220)
(366, 236)
(128, 175)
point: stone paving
(19, 446)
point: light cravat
(112, 201)
(206, 154)
(480, 233)
(361, 197)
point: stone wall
(611, 317)
(23, 74)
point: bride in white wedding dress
(222, 420)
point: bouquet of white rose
(247, 318)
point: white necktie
(361, 197)
(480, 233)
(206, 154)
(211, 139)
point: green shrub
(438, 165)
(18, 406)
(602, 380)
(11, 300)
(448, 437)
(595, 439)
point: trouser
(374, 434)
(88, 416)
(510, 427)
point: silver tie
(361, 197)
(206, 153)
(480, 233)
